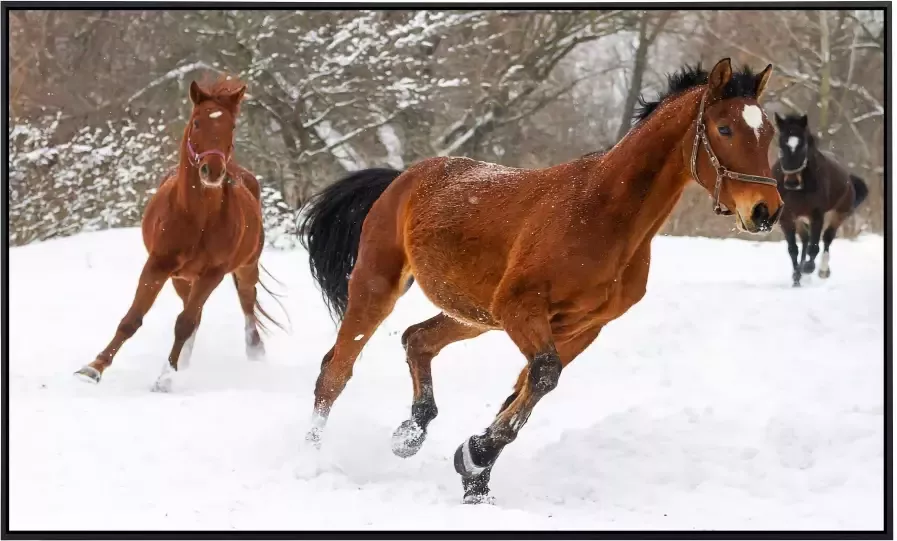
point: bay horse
(204, 222)
(819, 194)
(549, 255)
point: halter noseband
(194, 157)
(721, 171)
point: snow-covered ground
(725, 399)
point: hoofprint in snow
(725, 399)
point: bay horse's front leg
(186, 324)
(475, 457)
(155, 273)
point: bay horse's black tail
(331, 230)
(860, 189)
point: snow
(725, 400)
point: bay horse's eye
(725, 130)
(196, 124)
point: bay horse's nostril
(760, 215)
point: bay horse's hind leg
(828, 236)
(422, 343)
(374, 287)
(245, 279)
(153, 276)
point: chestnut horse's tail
(860, 189)
(331, 230)
(259, 311)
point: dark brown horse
(550, 256)
(819, 194)
(204, 222)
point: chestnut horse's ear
(233, 100)
(719, 78)
(762, 80)
(196, 94)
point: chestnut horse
(204, 222)
(819, 194)
(550, 255)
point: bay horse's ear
(197, 96)
(803, 121)
(719, 78)
(762, 80)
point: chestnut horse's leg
(475, 457)
(246, 278)
(186, 324)
(182, 287)
(422, 342)
(155, 272)
(374, 287)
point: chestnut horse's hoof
(255, 352)
(89, 374)
(408, 439)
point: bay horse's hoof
(808, 267)
(408, 439)
(825, 273)
(89, 374)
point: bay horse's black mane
(743, 84)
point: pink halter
(194, 157)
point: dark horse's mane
(743, 84)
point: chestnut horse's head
(733, 134)
(210, 131)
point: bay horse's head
(210, 130)
(734, 134)
(794, 149)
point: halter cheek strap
(721, 171)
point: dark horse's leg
(422, 343)
(788, 227)
(816, 219)
(154, 275)
(827, 237)
(803, 233)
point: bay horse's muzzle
(762, 219)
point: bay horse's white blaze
(792, 143)
(753, 117)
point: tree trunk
(638, 72)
